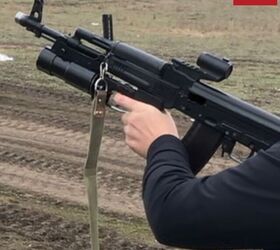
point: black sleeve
(236, 208)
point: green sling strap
(90, 170)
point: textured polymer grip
(201, 142)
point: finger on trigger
(125, 102)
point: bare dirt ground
(43, 145)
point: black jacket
(236, 208)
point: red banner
(255, 2)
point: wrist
(165, 139)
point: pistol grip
(201, 142)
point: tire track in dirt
(53, 140)
(65, 189)
(69, 166)
(49, 151)
(68, 141)
(31, 153)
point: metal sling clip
(102, 84)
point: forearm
(238, 207)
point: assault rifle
(220, 119)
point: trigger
(236, 152)
(112, 104)
(227, 146)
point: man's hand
(143, 124)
